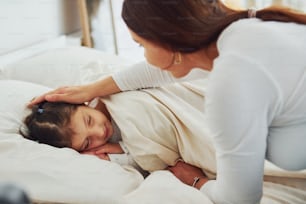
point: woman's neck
(203, 58)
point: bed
(54, 175)
(41, 60)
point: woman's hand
(69, 94)
(187, 173)
(79, 94)
(103, 150)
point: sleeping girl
(87, 129)
(158, 127)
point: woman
(256, 99)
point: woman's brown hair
(48, 123)
(189, 25)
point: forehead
(78, 127)
(76, 114)
(149, 44)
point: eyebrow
(135, 40)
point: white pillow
(52, 174)
(32, 50)
(14, 96)
(62, 66)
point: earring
(177, 58)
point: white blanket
(163, 187)
(162, 125)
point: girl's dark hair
(49, 123)
(189, 25)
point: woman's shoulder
(241, 32)
(252, 26)
(248, 32)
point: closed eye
(139, 44)
(89, 121)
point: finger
(43, 97)
(55, 97)
(60, 90)
(103, 156)
(101, 151)
(36, 100)
(62, 94)
(105, 150)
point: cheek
(76, 140)
(100, 118)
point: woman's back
(256, 105)
(278, 52)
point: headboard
(26, 22)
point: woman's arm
(140, 75)
(143, 75)
(128, 79)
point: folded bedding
(160, 126)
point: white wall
(102, 30)
(25, 22)
(114, 38)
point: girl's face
(160, 57)
(91, 128)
